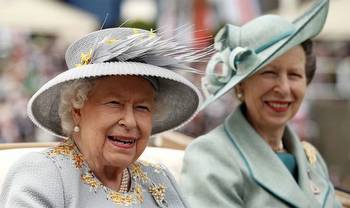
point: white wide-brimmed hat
(125, 51)
(242, 51)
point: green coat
(232, 166)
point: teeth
(278, 105)
(114, 138)
(124, 142)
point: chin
(120, 160)
(278, 122)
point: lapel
(311, 180)
(263, 164)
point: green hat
(242, 51)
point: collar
(255, 153)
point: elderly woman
(254, 159)
(119, 90)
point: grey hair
(73, 96)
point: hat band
(274, 40)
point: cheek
(145, 124)
(254, 95)
(95, 126)
(144, 121)
(100, 118)
(299, 91)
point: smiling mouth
(278, 106)
(121, 141)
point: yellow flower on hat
(85, 58)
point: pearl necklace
(125, 182)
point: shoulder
(34, 162)
(211, 174)
(211, 158)
(31, 179)
(34, 165)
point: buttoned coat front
(232, 166)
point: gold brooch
(158, 194)
(138, 173)
(311, 152)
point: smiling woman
(119, 90)
(255, 157)
(274, 94)
(114, 123)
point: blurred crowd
(26, 62)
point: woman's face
(274, 94)
(115, 121)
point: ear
(239, 92)
(76, 115)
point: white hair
(73, 96)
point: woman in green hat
(254, 159)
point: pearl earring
(240, 96)
(76, 129)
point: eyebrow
(269, 66)
(121, 98)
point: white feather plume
(152, 49)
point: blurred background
(34, 35)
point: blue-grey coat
(232, 166)
(60, 178)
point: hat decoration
(236, 61)
(146, 47)
(242, 51)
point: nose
(128, 119)
(282, 86)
